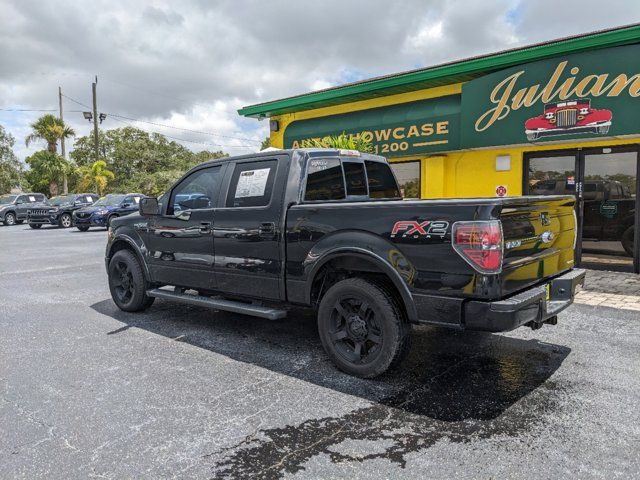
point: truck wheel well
(120, 245)
(344, 267)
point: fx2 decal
(411, 228)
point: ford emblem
(547, 236)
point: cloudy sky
(190, 65)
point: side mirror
(126, 205)
(148, 206)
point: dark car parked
(13, 208)
(327, 229)
(106, 209)
(59, 210)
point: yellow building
(557, 117)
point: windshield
(109, 201)
(7, 198)
(61, 200)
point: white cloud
(192, 64)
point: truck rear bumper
(534, 306)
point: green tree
(141, 162)
(11, 170)
(342, 141)
(51, 130)
(46, 171)
(266, 143)
(95, 177)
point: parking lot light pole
(95, 120)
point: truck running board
(219, 303)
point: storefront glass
(609, 208)
(408, 175)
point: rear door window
(252, 184)
(325, 180)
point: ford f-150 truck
(327, 229)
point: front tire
(19, 222)
(362, 328)
(10, 219)
(127, 283)
(65, 220)
(35, 225)
(82, 228)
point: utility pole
(65, 182)
(95, 119)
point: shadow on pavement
(455, 386)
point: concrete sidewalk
(611, 289)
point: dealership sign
(588, 94)
(404, 129)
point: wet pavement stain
(455, 386)
(470, 398)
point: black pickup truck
(327, 229)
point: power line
(182, 129)
(217, 145)
(156, 124)
(76, 101)
(146, 90)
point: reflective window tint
(408, 176)
(324, 180)
(382, 184)
(355, 179)
(195, 192)
(552, 175)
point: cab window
(325, 181)
(196, 192)
(355, 179)
(382, 183)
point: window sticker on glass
(88, 199)
(136, 200)
(32, 198)
(252, 183)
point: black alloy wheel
(127, 282)
(362, 327)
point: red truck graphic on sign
(571, 116)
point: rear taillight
(480, 244)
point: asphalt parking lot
(89, 391)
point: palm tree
(342, 141)
(96, 175)
(51, 167)
(50, 129)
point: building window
(408, 175)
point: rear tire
(82, 228)
(109, 220)
(19, 222)
(65, 220)
(35, 225)
(362, 328)
(127, 283)
(10, 219)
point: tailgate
(539, 240)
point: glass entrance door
(605, 182)
(609, 206)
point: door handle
(205, 227)
(267, 229)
